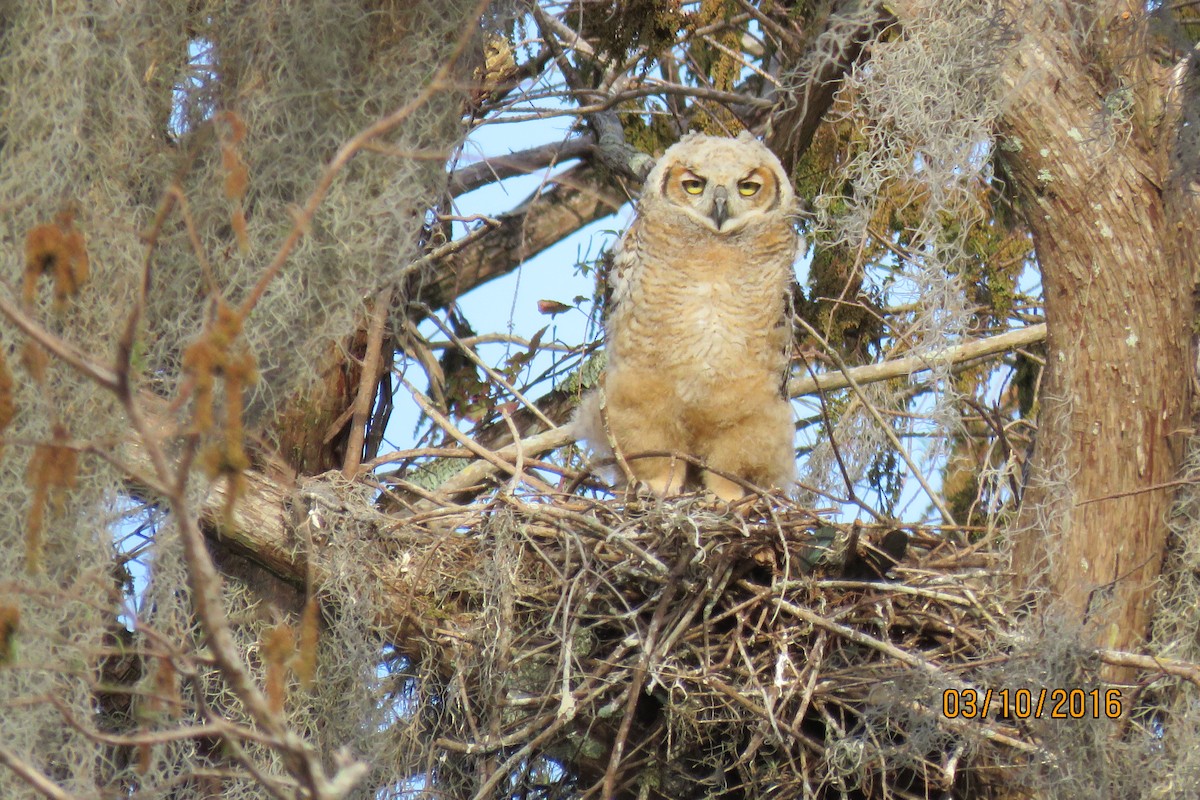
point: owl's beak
(720, 206)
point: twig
(603, 532)
(611, 148)
(470, 353)
(103, 376)
(519, 463)
(837, 454)
(888, 649)
(649, 645)
(733, 694)
(479, 450)
(742, 61)
(887, 429)
(418, 452)
(1157, 487)
(858, 637)
(561, 720)
(210, 277)
(568, 36)
(367, 382)
(33, 776)
(1167, 666)
(497, 168)
(216, 725)
(202, 573)
(531, 445)
(448, 249)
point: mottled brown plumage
(698, 331)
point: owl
(699, 324)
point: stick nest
(674, 649)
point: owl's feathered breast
(702, 308)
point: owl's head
(721, 184)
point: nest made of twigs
(648, 648)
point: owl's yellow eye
(749, 188)
(693, 185)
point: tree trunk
(1111, 238)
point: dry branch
(103, 376)
(903, 367)
(367, 383)
(525, 162)
(567, 203)
(36, 779)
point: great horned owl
(699, 324)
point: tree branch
(367, 383)
(848, 28)
(570, 201)
(901, 367)
(525, 162)
(612, 150)
(547, 441)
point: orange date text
(1032, 703)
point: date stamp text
(1041, 703)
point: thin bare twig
(65, 351)
(1158, 487)
(37, 779)
(497, 168)
(531, 445)
(466, 441)
(470, 353)
(1166, 666)
(649, 646)
(934, 497)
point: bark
(1118, 296)
(313, 429)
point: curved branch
(571, 200)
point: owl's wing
(617, 275)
